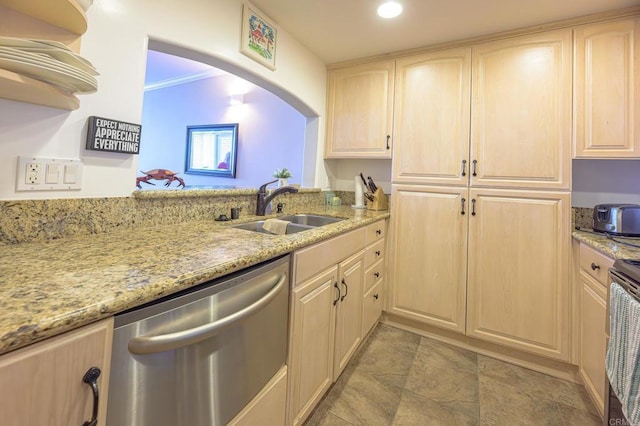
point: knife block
(380, 201)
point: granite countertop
(47, 288)
(616, 248)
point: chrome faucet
(264, 199)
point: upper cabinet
(62, 21)
(521, 112)
(360, 111)
(606, 90)
(431, 122)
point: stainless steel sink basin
(310, 219)
(298, 223)
(256, 226)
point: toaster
(617, 219)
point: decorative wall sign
(258, 39)
(109, 135)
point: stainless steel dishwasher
(197, 358)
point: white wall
(116, 43)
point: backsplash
(582, 217)
(41, 220)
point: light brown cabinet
(360, 111)
(326, 318)
(606, 90)
(481, 205)
(431, 118)
(521, 112)
(518, 274)
(348, 311)
(592, 286)
(59, 20)
(429, 255)
(42, 384)
(375, 273)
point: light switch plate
(48, 174)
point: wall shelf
(17, 87)
(59, 20)
(65, 14)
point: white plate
(68, 58)
(56, 50)
(46, 61)
(48, 75)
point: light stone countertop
(616, 249)
(47, 288)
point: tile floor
(399, 378)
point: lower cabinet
(268, 407)
(592, 286)
(487, 263)
(42, 384)
(330, 312)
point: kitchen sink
(297, 223)
(310, 219)
(256, 226)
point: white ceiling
(338, 30)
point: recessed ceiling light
(390, 9)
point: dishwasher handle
(152, 344)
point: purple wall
(271, 132)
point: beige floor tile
(415, 410)
(447, 375)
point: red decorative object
(159, 174)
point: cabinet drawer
(595, 263)
(374, 274)
(374, 253)
(376, 231)
(371, 308)
(311, 260)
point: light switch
(53, 174)
(70, 172)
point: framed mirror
(211, 150)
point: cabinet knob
(376, 274)
(378, 231)
(91, 378)
(594, 266)
(375, 296)
(377, 252)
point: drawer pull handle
(378, 231)
(91, 378)
(377, 252)
(475, 165)
(375, 296)
(594, 266)
(376, 274)
(346, 290)
(464, 200)
(335, 302)
(464, 167)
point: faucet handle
(263, 188)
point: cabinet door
(607, 93)
(360, 111)
(518, 285)
(521, 112)
(431, 118)
(312, 336)
(41, 385)
(593, 339)
(349, 311)
(429, 255)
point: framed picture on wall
(259, 37)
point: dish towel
(623, 352)
(275, 226)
